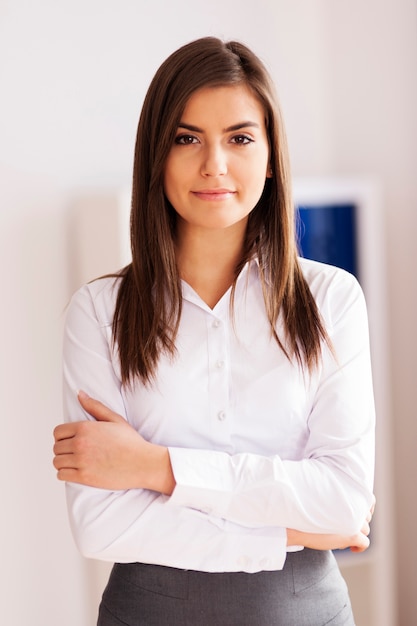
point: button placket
(218, 373)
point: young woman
(226, 441)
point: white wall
(73, 75)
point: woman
(226, 444)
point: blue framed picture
(327, 233)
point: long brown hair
(149, 300)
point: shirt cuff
(250, 549)
(201, 481)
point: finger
(373, 507)
(64, 431)
(76, 475)
(68, 475)
(64, 461)
(98, 410)
(361, 543)
(371, 510)
(63, 446)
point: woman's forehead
(227, 104)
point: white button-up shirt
(257, 445)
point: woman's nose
(214, 162)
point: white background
(72, 79)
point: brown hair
(149, 300)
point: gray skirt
(309, 591)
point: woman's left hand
(317, 541)
(109, 453)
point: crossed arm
(108, 453)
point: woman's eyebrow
(194, 129)
(241, 125)
(238, 126)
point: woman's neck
(207, 261)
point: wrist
(159, 476)
(293, 537)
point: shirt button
(221, 415)
(244, 561)
(220, 365)
(217, 323)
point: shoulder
(334, 290)
(320, 276)
(97, 299)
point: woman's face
(216, 169)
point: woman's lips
(213, 195)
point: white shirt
(256, 444)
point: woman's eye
(185, 140)
(242, 139)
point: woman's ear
(269, 172)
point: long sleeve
(140, 525)
(328, 487)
